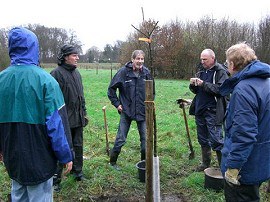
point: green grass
(177, 178)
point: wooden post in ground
(149, 109)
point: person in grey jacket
(209, 106)
(130, 81)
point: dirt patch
(164, 198)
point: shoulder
(219, 68)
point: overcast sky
(101, 22)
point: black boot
(113, 159)
(219, 155)
(206, 159)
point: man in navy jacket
(130, 81)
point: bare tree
(263, 34)
(4, 59)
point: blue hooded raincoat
(34, 130)
(247, 133)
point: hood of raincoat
(23, 47)
(254, 69)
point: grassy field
(178, 182)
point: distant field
(88, 65)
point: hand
(193, 81)
(119, 108)
(68, 167)
(199, 82)
(231, 176)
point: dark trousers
(122, 133)
(241, 193)
(77, 142)
(209, 133)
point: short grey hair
(137, 52)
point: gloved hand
(231, 176)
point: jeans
(209, 134)
(122, 133)
(42, 192)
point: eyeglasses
(226, 64)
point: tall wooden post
(149, 109)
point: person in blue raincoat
(246, 152)
(34, 130)
(130, 81)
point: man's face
(72, 59)
(207, 60)
(138, 62)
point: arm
(60, 137)
(112, 95)
(212, 88)
(57, 122)
(243, 129)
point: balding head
(208, 58)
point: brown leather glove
(231, 176)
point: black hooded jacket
(70, 82)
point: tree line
(174, 50)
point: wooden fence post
(149, 109)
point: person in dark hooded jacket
(130, 81)
(34, 130)
(246, 152)
(70, 81)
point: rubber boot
(206, 159)
(113, 159)
(219, 155)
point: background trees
(174, 49)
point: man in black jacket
(130, 81)
(210, 106)
(70, 82)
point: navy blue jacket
(131, 91)
(247, 129)
(212, 89)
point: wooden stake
(149, 109)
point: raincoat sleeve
(57, 124)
